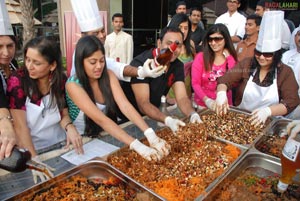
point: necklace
(2, 71)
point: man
(90, 23)
(145, 95)
(180, 7)
(292, 56)
(197, 32)
(234, 21)
(119, 44)
(261, 7)
(245, 48)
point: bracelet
(66, 126)
(7, 117)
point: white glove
(222, 103)
(210, 104)
(43, 176)
(293, 128)
(146, 152)
(195, 118)
(259, 116)
(173, 124)
(150, 70)
(156, 142)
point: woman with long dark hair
(93, 96)
(217, 57)
(37, 100)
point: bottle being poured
(163, 56)
(20, 160)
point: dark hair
(13, 38)
(50, 51)
(262, 3)
(180, 3)
(256, 18)
(199, 8)
(176, 20)
(276, 61)
(208, 53)
(167, 29)
(116, 15)
(86, 46)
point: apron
(255, 96)
(79, 122)
(44, 123)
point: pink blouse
(205, 83)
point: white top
(235, 23)
(119, 46)
(292, 59)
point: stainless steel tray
(247, 113)
(95, 168)
(267, 142)
(263, 164)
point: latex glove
(156, 142)
(293, 128)
(173, 124)
(195, 118)
(145, 151)
(222, 103)
(150, 70)
(41, 175)
(210, 104)
(259, 116)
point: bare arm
(130, 71)
(235, 39)
(182, 99)
(7, 133)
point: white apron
(79, 122)
(255, 96)
(44, 123)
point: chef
(266, 87)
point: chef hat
(87, 15)
(269, 37)
(292, 41)
(5, 26)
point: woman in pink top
(217, 57)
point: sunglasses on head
(265, 54)
(216, 39)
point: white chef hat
(5, 26)
(269, 37)
(87, 14)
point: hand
(7, 141)
(222, 103)
(210, 104)
(293, 128)
(154, 71)
(145, 151)
(173, 124)
(195, 118)
(156, 142)
(43, 176)
(259, 116)
(74, 138)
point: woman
(7, 62)
(187, 52)
(37, 100)
(93, 95)
(217, 57)
(266, 87)
(7, 132)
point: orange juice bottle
(290, 162)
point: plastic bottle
(163, 109)
(290, 162)
(164, 56)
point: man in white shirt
(234, 21)
(119, 44)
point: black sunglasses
(265, 54)
(216, 39)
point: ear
(53, 66)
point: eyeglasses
(231, 1)
(265, 54)
(216, 39)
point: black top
(197, 37)
(3, 99)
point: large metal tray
(247, 113)
(265, 165)
(95, 168)
(274, 132)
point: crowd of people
(238, 61)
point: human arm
(221, 101)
